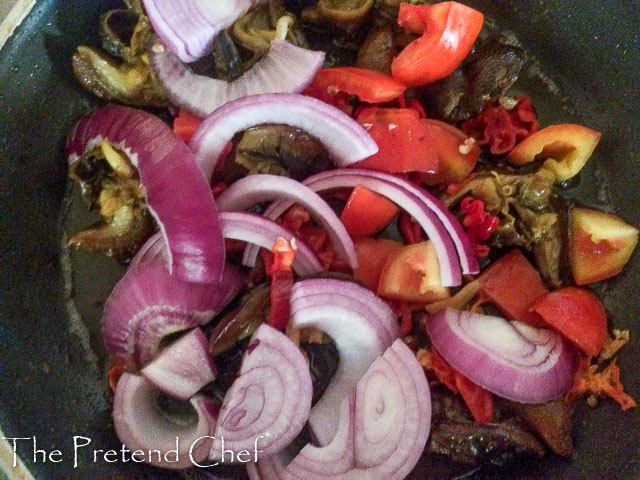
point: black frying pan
(52, 369)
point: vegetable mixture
(346, 239)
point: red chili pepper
(500, 128)
(218, 188)
(478, 224)
(281, 283)
(185, 125)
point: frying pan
(52, 366)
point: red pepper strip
(500, 128)
(448, 32)
(479, 400)
(185, 125)
(409, 228)
(281, 283)
(368, 85)
(115, 373)
(417, 106)
(218, 188)
(405, 310)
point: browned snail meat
(109, 183)
(485, 76)
(281, 150)
(377, 51)
(344, 10)
(131, 84)
(125, 34)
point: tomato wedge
(372, 255)
(403, 144)
(513, 284)
(367, 213)
(577, 314)
(449, 30)
(368, 85)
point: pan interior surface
(52, 362)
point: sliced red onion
(268, 404)
(257, 230)
(259, 188)
(284, 69)
(148, 303)
(183, 368)
(140, 425)
(322, 291)
(359, 337)
(178, 195)
(190, 26)
(466, 254)
(342, 136)
(425, 210)
(383, 428)
(247, 227)
(511, 359)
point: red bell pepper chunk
(281, 283)
(368, 85)
(513, 284)
(185, 125)
(448, 32)
(367, 212)
(479, 400)
(577, 314)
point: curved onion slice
(259, 188)
(510, 359)
(140, 425)
(285, 68)
(178, 195)
(359, 337)
(466, 254)
(268, 404)
(148, 303)
(262, 232)
(183, 368)
(247, 227)
(383, 428)
(342, 136)
(190, 26)
(426, 210)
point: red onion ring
(511, 359)
(140, 425)
(148, 303)
(424, 208)
(342, 136)
(246, 227)
(259, 188)
(284, 69)
(263, 232)
(383, 428)
(269, 402)
(177, 194)
(183, 368)
(190, 26)
(359, 337)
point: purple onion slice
(268, 404)
(177, 194)
(342, 136)
(511, 359)
(285, 68)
